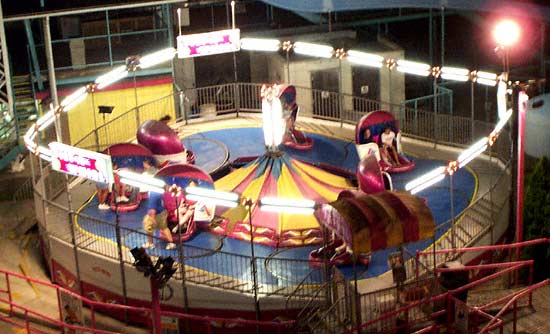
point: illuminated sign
(208, 43)
(87, 164)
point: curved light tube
(260, 44)
(486, 78)
(313, 50)
(366, 59)
(111, 77)
(455, 74)
(502, 122)
(212, 194)
(214, 201)
(156, 58)
(143, 179)
(473, 152)
(287, 205)
(426, 180)
(501, 98)
(142, 185)
(74, 96)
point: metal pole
(181, 255)
(155, 306)
(542, 56)
(108, 25)
(136, 101)
(453, 231)
(431, 36)
(236, 95)
(233, 15)
(340, 95)
(6, 63)
(120, 253)
(95, 123)
(33, 56)
(253, 265)
(472, 109)
(521, 108)
(287, 66)
(90, 9)
(435, 111)
(49, 60)
(442, 36)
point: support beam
(34, 58)
(6, 64)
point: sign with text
(87, 164)
(209, 43)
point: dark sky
(14, 7)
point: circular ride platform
(208, 252)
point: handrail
(95, 304)
(516, 297)
(444, 295)
(299, 285)
(490, 247)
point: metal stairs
(26, 109)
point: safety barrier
(207, 103)
(416, 306)
(71, 312)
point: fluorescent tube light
(425, 178)
(260, 44)
(111, 77)
(313, 50)
(156, 58)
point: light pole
(507, 33)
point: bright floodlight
(506, 33)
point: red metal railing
(448, 297)
(30, 315)
(513, 301)
(517, 245)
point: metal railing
(230, 99)
(26, 315)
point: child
(102, 194)
(387, 144)
(152, 222)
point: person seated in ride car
(119, 188)
(186, 213)
(388, 138)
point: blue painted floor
(211, 252)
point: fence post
(75, 247)
(121, 259)
(183, 112)
(451, 123)
(236, 97)
(415, 120)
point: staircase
(26, 109)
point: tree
(536, 216)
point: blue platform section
(211, 252)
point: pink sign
(87, 164)
(208, 43)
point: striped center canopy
(277, 175)
(372, 222)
